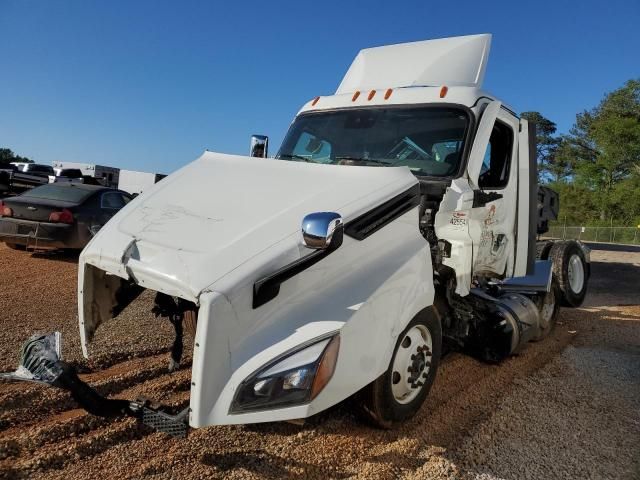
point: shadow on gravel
(269, 466)
(69, 256)
(613, 283)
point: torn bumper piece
(40, 362)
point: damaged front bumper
(40, 362)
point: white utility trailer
(398, 219)
(134, 182)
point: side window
(494, 173)
(113, 200)
(311, 147)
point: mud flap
(40, 362)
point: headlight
(296, 378)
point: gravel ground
(567, 407)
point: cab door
(493, 175)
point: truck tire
(572, 271)
(399, 392)
(548, 305)
(542, 249)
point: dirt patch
(566, 407)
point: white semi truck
(397, 220)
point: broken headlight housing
(295, 378)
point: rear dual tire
(572, 271)
(398, 394)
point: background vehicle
(135, 182)
(93, 173)
(58, 215)
(66, 175)
(23, 176)
(399, 216)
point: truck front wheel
(398, 393)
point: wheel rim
(576, 274)
(411, 364)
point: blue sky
(149, 85)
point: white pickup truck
(398, 218)
(66, 175)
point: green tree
(547, 146)
(7, 156)
(604, 143)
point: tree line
(7, 156)
(596, 166)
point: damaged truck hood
(217, 213)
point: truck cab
(398, 218)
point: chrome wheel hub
(576, 273)
(411, 364)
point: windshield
(428, 140)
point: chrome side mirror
(322, 230)
(259, 146)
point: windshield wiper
(358, 159)
(296, 157)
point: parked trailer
(391, 222)
(135, 182)
(104, 175)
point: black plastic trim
(373, 220)
(268, 288)
(533, 198)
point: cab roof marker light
(388, 93)
(355, 96)
(443, 91)
(372, 94)
(315, 100)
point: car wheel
(548, 304)
(399, 392)
(572, 271)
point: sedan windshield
(428, 140)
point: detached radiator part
(40, 362)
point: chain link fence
(627, 235)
